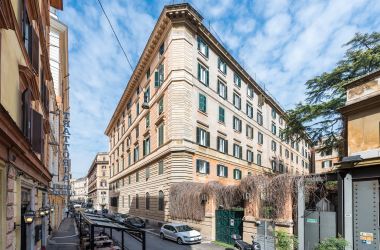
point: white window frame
(222, 89)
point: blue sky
(281, 43)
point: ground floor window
(161, 200)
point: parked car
(135, 222)
(89, 210)
(181, 233)
(109, 216)
(121, 218)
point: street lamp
(41, 212)
(29, 216)
(47, 210)
(52, 209)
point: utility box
(319, 225)
(366, 214)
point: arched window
(147, 201)
(137, 201)
(161, 200)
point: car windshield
(183, 228)
(124, 216)
(138, 220)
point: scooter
(242, 245)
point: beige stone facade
(324, 161)
(97, 179)
(79, 189)
(184, 120)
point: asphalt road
(154, 242)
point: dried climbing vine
(269, 193)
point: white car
(181, 233)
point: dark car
(109, 216)
(120, 218)
(135, 222)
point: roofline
(361, 79)
(198, 19)
(94, 161)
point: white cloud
(281, 43)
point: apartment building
(190, 112)
(79, 189)
(59, 117)
(26, 131)
(97, 179)
(324, 160)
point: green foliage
(318, 117)
(332, 244)
(285, 241)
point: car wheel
(162, 236)
(179, 241)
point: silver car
(181, 233)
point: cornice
(139, 70)
(187, 15)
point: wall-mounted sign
(366, 237)
(65, 151)
(311, 220)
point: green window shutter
(217, 143)
(199, 42)
(206, 50)
(199, 71)
(218, 170)
(226, 170)
(198, 134)
(207, 168)
(241, 152)
(226, 147)
(156, 80)
(208, 139)
(162, 70)
(234, 173)
(207, 77)
(197, 165)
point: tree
(319, 115)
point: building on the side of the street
(59, 104)
(26, 131)
(359, 170)
(190, 112)
(79, 190)
(324, 160)
(97, 181)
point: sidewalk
(65, 238)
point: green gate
(228, 222)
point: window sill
(203, 113)
(221, 176)
(237, 131)
(204, 57)
(222, 73)
(222, 123)
(202, 174)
